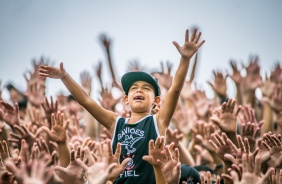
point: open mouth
(138, 98)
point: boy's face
(141, 97)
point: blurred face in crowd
(15, 96)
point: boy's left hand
(190, 47)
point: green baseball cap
(130, 77)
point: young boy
(141, 93)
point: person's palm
(248, 178)
(219, 85)
(11, 114)
(96, 173)
(58, 130)
(228, 122)
(236, 77)
(58, 133)
(52, 72)
(170, 171)
(188, 49)
(191, 46)
(222, 150)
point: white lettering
(130, 131)
(130, 173)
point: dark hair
(70, 98)
(23, 103)
(204, 168)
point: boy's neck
(136, 117)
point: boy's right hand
(52, 72)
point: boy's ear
(125, 99)
(157, 99)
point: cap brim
(129, 78)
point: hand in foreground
(155, 152)
(114, 158)
(72, 173)
(170, 166)
(251, 171)
(35, 172)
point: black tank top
(134, 139)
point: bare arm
(187, 51)
(107, 118)
(107, 43)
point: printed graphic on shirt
(130, 136)
(130, 164)
(128, 171)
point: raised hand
(275, 100)
(114, 158)
(75, 133)
(251, 171)
(201, 104)
(49, 108)
(244, 147)
(267, 87)
(4, 151)
(250, 128)
(98, 172)
(183, 121)
(170, 166)
(85, 79)
(236, 74)
(22, 133)
(165, 78)
(173, 136)
(35, 92)
(35, 117)
(253, 78)
(220, 145)
(10, 114)
(208, 179)
(227, 120)
(191, 46)
(34, 76)
(105, 41)
(58, 130)
(134, 65)
(276, 74)
(107, 100)
(52, 72)
(273, 144)
(73, 173)
(155, 152)
(105, 135)
(35, 172)
(219, 86)
(251, 132)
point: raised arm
(187, 51)
(107, 118)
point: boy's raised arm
(107, 118)
(187, 51)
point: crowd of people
(162, 129)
